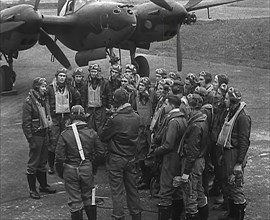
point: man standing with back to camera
(77, 148)
(121, 131)
(171, 199)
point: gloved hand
(176, 181)
(239, 176)
(237, 169)
(184, 178)
(151, 152)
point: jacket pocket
(35, 124)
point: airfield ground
(238, 48)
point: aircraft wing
(54, 24)
(203, 5)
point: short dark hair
(174, 100)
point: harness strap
(79, 143)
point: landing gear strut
(7, 75)
(140, 62)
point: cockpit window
(80, 3)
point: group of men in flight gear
(185, 125)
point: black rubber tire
(7, 78)
(144, 69)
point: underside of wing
(203, 5)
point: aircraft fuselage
(95, 25)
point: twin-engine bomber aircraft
(93, 28)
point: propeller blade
(163, 4)
(9, 26)
(192, 3)
(178, 50)
(36, 5)
(54, 49)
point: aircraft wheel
(7, 78)
(143, 64)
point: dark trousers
(170, 168)
(234, 192)
(59, 124)
(194, 196)
(96, 118)
(122, 176)
(38, 154)
(78, 184)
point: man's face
(172, 75)
(142, 87)
(43, 88)
(124, 82)
(218, 95)
(61, 78)
(93, 73)
(187, 83)
(202, 81)
(78, 78)
(129, 72)
(167, 106)
(158, 77)
(114, 73)
(215, 83)
(227, 100)
(160, 90)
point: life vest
(94, 99)
(62, 101)
(145, 111)
(224, 138)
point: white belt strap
(79, 143)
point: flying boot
(31, 178)
(118, 218)
(239, 211)
(51, 157)
(177, 209)
(44, 186)
(78, 215)
(91, 212)
(203, 212)
(229, 214)
(137, 216)
(215, 190)
(164, 212)
(195, 216)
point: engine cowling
(83, 57)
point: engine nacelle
(83, 57)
